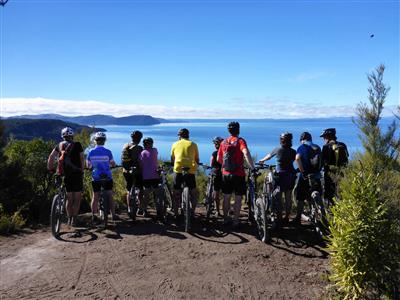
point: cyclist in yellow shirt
(184, 153)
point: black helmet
(286, 139)
(305, 136)
(233, 126)
(148, 141)
(217, 140)
(136, 136)
(329, 132)
(183, 133)
(287, 136)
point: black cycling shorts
(217, 182)
(107, 185)
(133, 179)
(190, 180)
(74, 183)
(303, 188)
(233, 183)
(151, 183)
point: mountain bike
(104, 202)
(164, 195)
(315, 212)
(251, 192)
(133, 195)
(209, 199)
(263, 209)
(58, 213)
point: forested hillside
(28, 129)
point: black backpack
(339, 156)
(315, 158)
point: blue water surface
(261, 135)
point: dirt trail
(148, 260)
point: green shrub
(10, 224)
(365, 252)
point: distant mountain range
(96, 120)
(28, 129)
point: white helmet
(67, 132)
(99, 136)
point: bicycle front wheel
(56, 215)
(209, 201)
(186, 207)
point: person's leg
(237, 207)
(216, 199)
(69, 206)
(226, 205)
(288, 204)
(95, 203)
(77, 203)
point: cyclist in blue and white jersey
(100, 160)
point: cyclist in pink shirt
(151, 179)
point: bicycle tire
(132, 203)
(317, 215)
(250, 202)
(160, 205)
(56, 216)
(168, 198)
(258, 217)
(186, 207)
(209, 200)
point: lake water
(261, 136)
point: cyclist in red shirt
(231, 155)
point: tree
(381, 147)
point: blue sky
(247, 59)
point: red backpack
(64, 160)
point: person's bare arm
(112, 163)
(82, 157)
(267, 157)
(248, 158)
(299, 163)
(51, 160)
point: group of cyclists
(228, 162)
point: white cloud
(236, 108)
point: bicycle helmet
(99, 136)
(67, 132)
(136, 136)
(183, 133)
(305, 136)
(286, 139)
(329, 132)
(148, 141)
(233, 126)
(217, 140)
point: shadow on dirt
(290, 239)
(79, 236)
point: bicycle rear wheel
(209, 201)
(168, 198)
(260, 216)
(56, 215)
(186, 207)
(132, 203)
(317, 215)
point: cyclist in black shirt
(72, 168)
(285, 156)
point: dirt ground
(149, 260)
